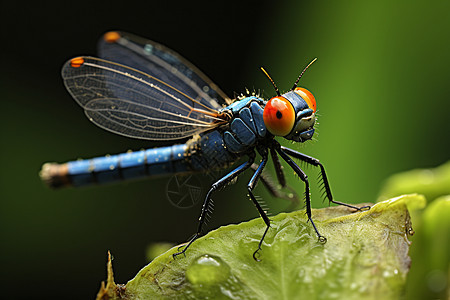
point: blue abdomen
(129, 165)
(206, 152)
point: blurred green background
(381, 83)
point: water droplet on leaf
(207, 270)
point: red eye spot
(279, 116)
(111, 37)
(309, 98)
(76, 62)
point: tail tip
(54, 175)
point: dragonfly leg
(274, 190)
(251, 185)
(217, 185)
(282, 180)
(278, 167)
(304, 178)
(315, 162)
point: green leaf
(429, 278)
(431, 183)
(366, 256)
(430, 272)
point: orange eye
(307, 96)
(279, 116)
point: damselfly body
(141, 89)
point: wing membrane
(162, 63)
(134, 104)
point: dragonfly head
(291, 115)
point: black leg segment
(278, 167)
(274, 190)
(251, 185)
(304, 178)
(217, 185)
(315, 162)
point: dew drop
(207, 270)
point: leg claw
(364, 208)
(322, 239)
(256, 253)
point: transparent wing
(134, 104)
(162, 63)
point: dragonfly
(142, 89)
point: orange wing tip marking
(111, 37)
(76, 62)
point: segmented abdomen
(207, 152)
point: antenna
(306, 68)
(273, 83)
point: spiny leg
(304, 178)
(217, 185)
(315, 162)
(273, 188)
(251, 185)
(278, 167)
(281, 179)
